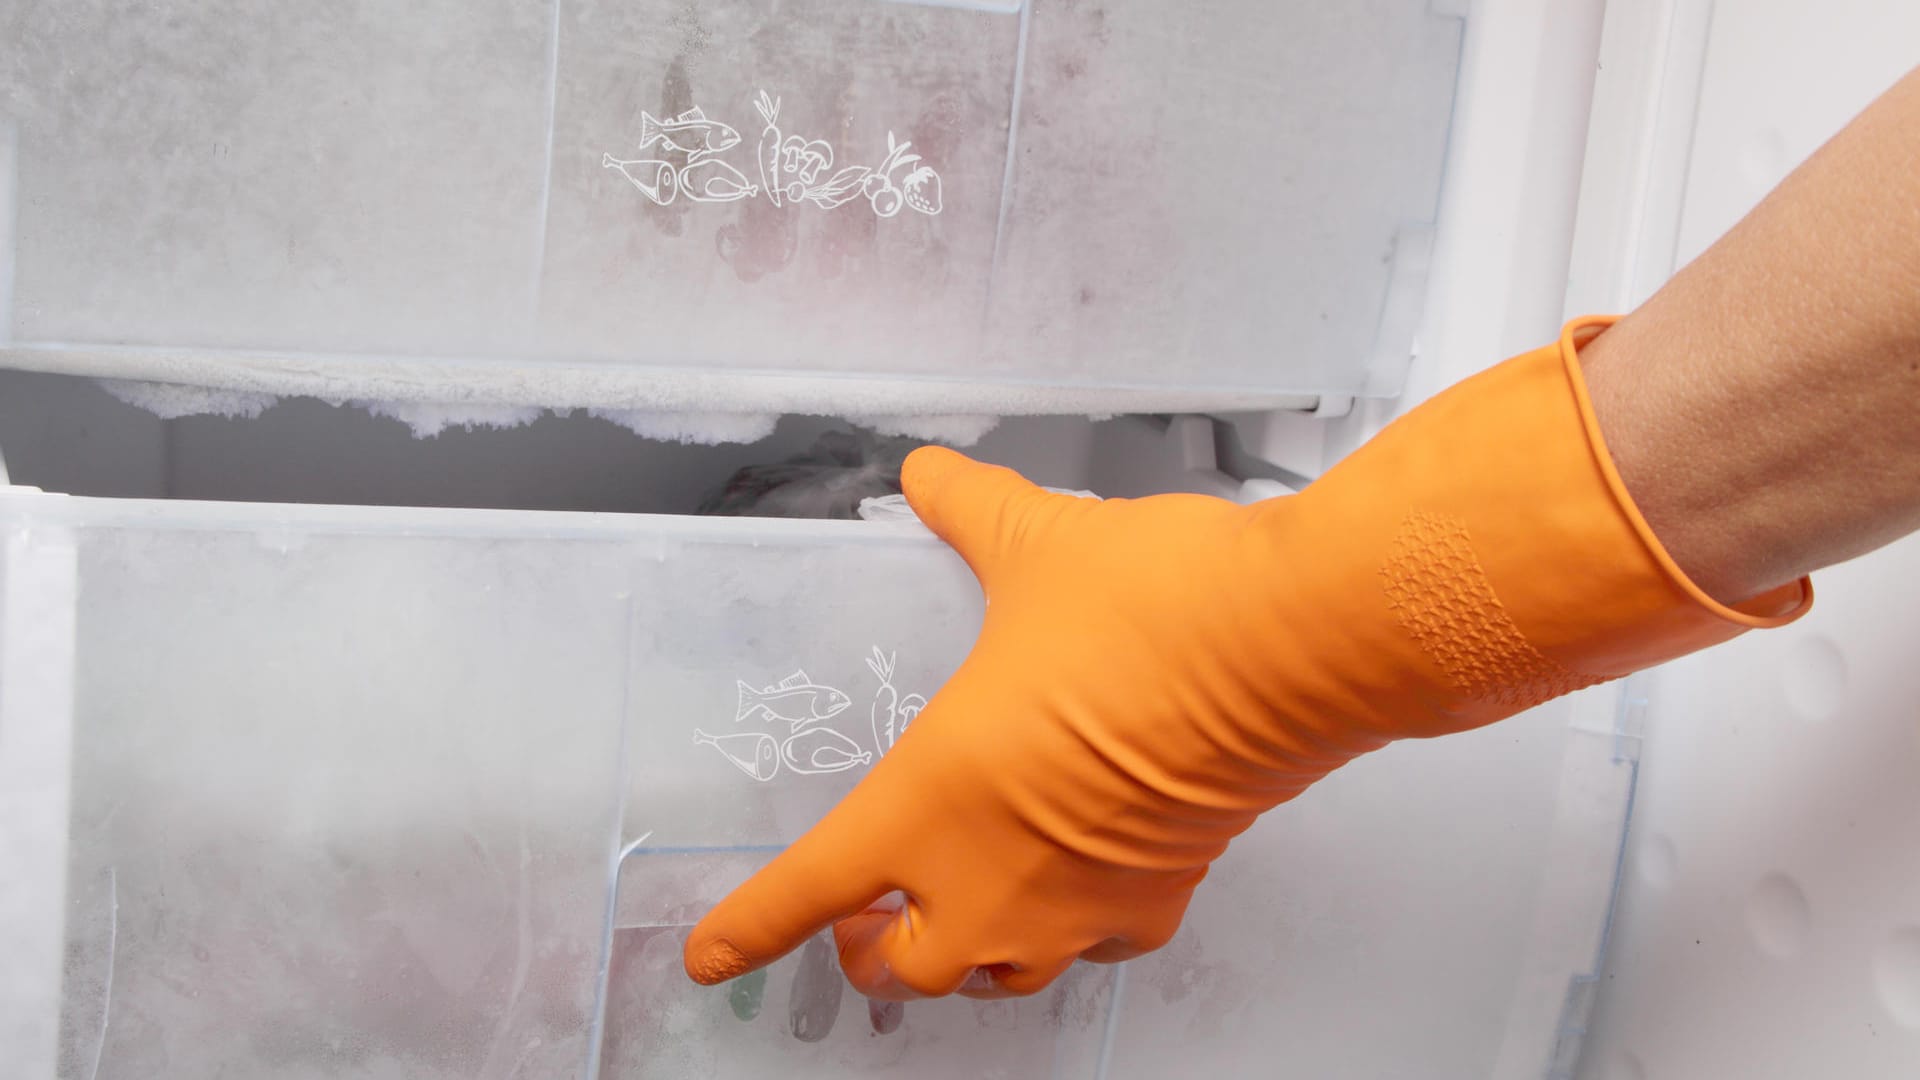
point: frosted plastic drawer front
(343, 804)
(384, 793)
(982, 205)
(799, 1019)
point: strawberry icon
(922, 187)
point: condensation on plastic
(1090, 207)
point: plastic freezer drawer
(1015, 207)
(326, 791)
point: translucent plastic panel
(1231, 195)
(351, 789)
(657, 204)
(763, 667)
(398, 793)
(754, 735)
(822, 280)
(1431, 910)
(36, 706)
(798, 1018)
(343, 804)
(247, 174)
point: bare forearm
(1764, 407)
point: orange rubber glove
(1154, 673)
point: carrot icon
(768, 154)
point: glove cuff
(1490, 557)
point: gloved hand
(1153, 674)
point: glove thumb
(979, 510)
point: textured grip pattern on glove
(1441, 596)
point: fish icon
(796, 699)
(690, 133)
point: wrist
(1482, 555)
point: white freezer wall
(1768, 923)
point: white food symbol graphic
(890, 713)
(792, 168)
(796, 699)
(809, 746)
(713, 180)
(704, 177)
(822, 750)
(690, 133)
(657, 180)
(755, 753)
(920, 189)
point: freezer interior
(371, 692)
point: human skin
(1764, 406)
